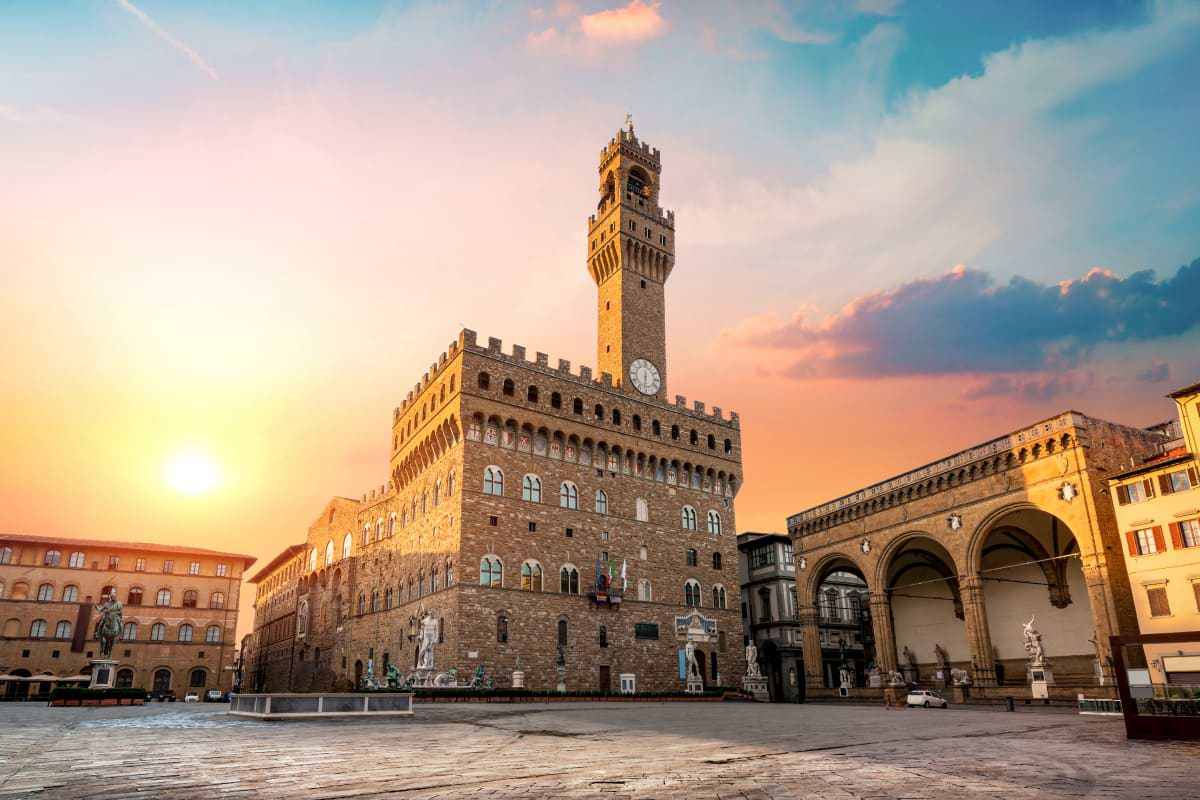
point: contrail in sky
(192, 55)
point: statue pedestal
(104, 674)
(1040, 678)
(518, 680)
(910, 674)
(562, 680)
(422, 677)
(874, 680)
(757, 686)
(695, 685)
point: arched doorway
(845, 636)
(162, 680)
(124, 678)
(1029, 567)
(700, 662)
(925, 601)
(358, 673)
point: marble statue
(895, 679)
(109, 624)
(752, 668)
(959, 677)
(940, 655)
(1033, 642)
(693, 667)
(429, 632)
(369, 681)
(910, 657)
(844, 676)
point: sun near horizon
(192, 471)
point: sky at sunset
(244, 230)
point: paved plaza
(616, 750)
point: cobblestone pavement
(617, 750)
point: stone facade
(953, 553)
(511, 480)
(49, 585)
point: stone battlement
(428, 378)
(629, 141)
(468, 340)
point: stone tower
(631, 250)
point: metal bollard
(1008, 701)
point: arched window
(656, 427)
(643, 552)
(531, 576)
(555, 400)
(347, 545)
(493, 481)
(108, 591)
(601, 502)
(158, 632)
(189, 598)
(5, 555)
(302, 618)
(616, 416)
(216, 600)
(185, 632)
(53, 558)
(531, 489)
(603, 636)
(449, 573)
(437, 492)
(643, 511)
(728, 446)
(562, 631)
(198, 679)
(362, 604)
(718, 596)
(502, 628)
(712, 442)
(129, 632)
(375, 600)
(433, 579)
(692, 438)
(637, 422)
(424, 505)
(674, 431)
(688, 518)
(77, 560)
(577, 406)
(509, 387)
(484, 381)
(531, 394)
(70, 593)
(45, 592)
(124, 678)
(716, 560)
(329, 552)
(691, 557)
(62, 630)
(312, 559)
(568, 580)
(714, 522)
(568, 495)
(162, 679)
(163, 598)
(450, 484)
(135, 597)
(491, 571)
(37, 630)
(691, 594)
(645, 591)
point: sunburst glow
(192, 472)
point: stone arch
(819, 571)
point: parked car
(191, 697)
(216, 696)
(926, 699)
(165, 696)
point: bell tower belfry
(631, 250)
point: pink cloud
(635, 22)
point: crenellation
(542, 360)
(585, 374)
(495, 345)
(681, 401)
(518, 352)
(698, 406)
(606, 380)
(564, 366)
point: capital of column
(880, 601)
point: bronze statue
(109, 624)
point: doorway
(605, 678)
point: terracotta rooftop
(287, 553)
(149, 547)
(1193, 389)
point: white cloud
(160, 32)
(635, 22)
(879, 8)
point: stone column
(979, 636)
(885, 632)
(810, 635)
(1104, 614)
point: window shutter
(1149, 484)
(1176, 538)
(1164, 484)
(1123, 495)
(1131, 538)
(1192, 477)
(1159, 542)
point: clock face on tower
(644, 376)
